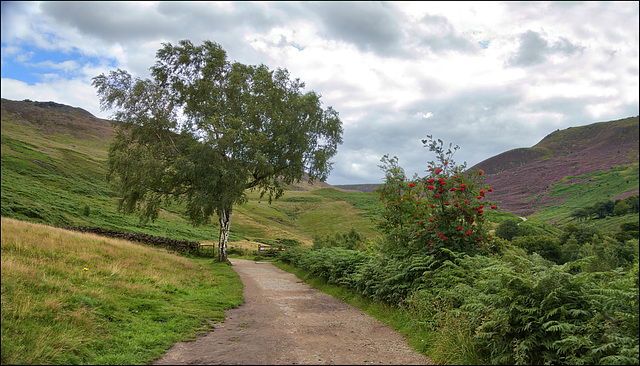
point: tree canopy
(203, 130)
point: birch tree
(203, 131)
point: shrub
(443, 210)
(391, 278)
(546, 246)
(351, 240)
(508, 229)
(526, 310)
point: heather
(585, 163)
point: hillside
(50, 118)
(54, 168)
(49, 148)
(600, 158)
(523, 179)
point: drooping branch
(229, 127)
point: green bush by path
(503, 309)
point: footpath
(286, 322)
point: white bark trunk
(224, 217)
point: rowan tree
(442, 211)
(203, 131)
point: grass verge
(73, 298)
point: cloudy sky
(487, 76)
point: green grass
(365, 201)
(584, 190)
(299, 215)
(71, 298)
(57, 179)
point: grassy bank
(72, 298)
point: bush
(443, 211)
(546, 246)
(351, 240)
(245, 252)
(391, 278)
(508, 229)
(525, 310)
(512, 308)
(335, 265)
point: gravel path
(286, 322)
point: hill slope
(523, 178)
(53, 172)
(49, 148)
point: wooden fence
(266, 250)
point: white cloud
(489, 76)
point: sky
(486, 76)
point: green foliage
(204, 130)
(508, 229)
(503, 309)
(546, 246)
(511, 228)
(391, 278)
(608, 252)
(334, 264)
(582, 234)
(628, 230)
(351, 240)
(527, 311)
(380, 278)
(443, 210)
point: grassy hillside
(573, 192)
(524, 179)
(53, 172)
(71, 298)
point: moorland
(563, 289)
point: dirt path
(286, 322)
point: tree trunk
(224, 217)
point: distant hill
(54, 166)
(305, 185)
(522, 178)
(357, 187)
(53, 118)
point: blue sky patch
(31, 64)
(296, 46)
